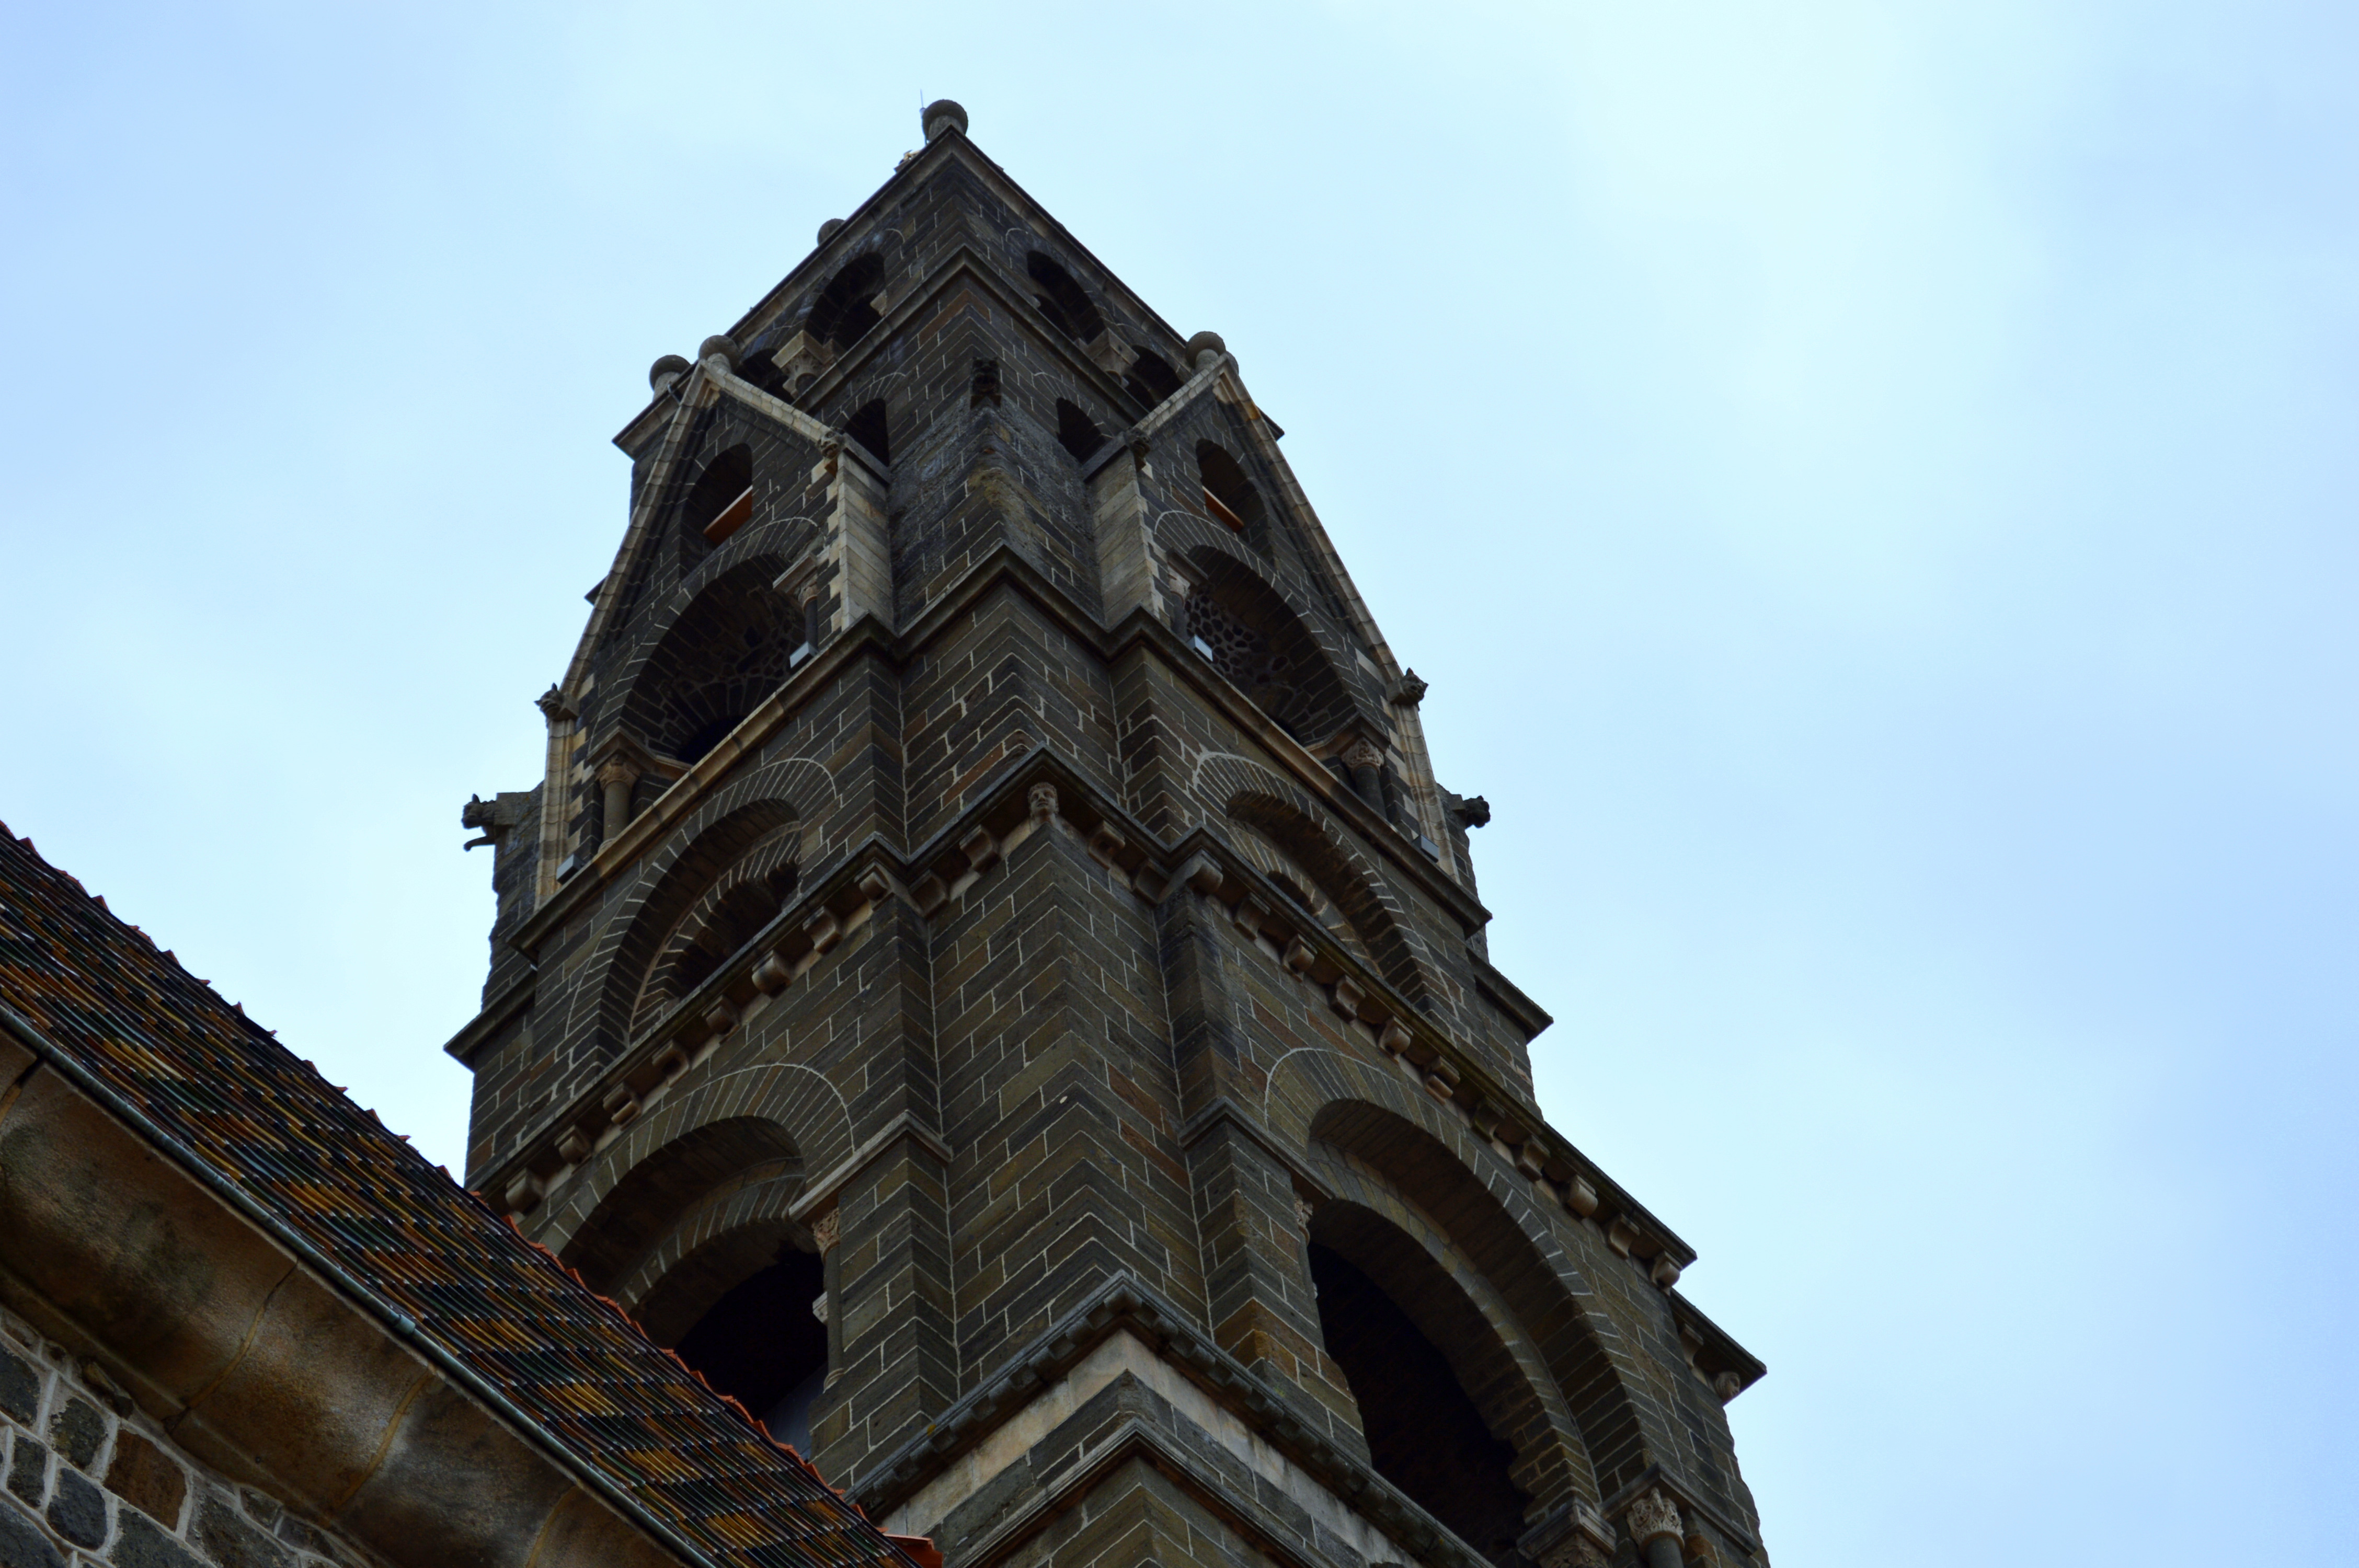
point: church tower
(991, 976)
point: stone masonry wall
(87, 1483)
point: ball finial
(829, 229)
(721, 344)
(664, 370)
(1204, 343)
(941, 115)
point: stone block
(140, 1544)
(141, 1476)
(22, 1544)
(226, 1537)
(77, 1430)
(78, 1511)
(28, 1470)
(20, 1389)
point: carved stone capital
(1652, 1517)
(827, 1230)
(1363, 753)
(616, 771)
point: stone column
(1654, 1521)
(1366, 761)
(616, 779)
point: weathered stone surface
(140, 1544)
(77, 1430)
(22, 1544)
(230, 1540)
(143, 1476)
(28, 1469)
(20, 1389)
(78, 1511)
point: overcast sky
(1872, 487)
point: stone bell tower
(991, 977)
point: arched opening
(1150, 377)
(1229, 495)
(718, 502)
(867, 426)
(1240, 624)
(843, 313)
(763, 1343)
(1065, 303)
(638, 1210)
(1425, 1434)
(725, 653)
(1423, 1169)
(720, 923)
(1350, 895)
(1076, 431)
(749, 843)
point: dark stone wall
(87, 1480)
(993, 1051)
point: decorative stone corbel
(553, 706)
(1345, 997)
(524, 1193)
(1665, 1271)
(1621, 1236)
(1411, 692)
(620, 1104)
(1654, 1524)
(1041, 801)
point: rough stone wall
(87, 1483)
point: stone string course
(89, 1479)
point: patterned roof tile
(230, 1097)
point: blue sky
(1871, 486)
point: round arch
(718, 1242)
(722, 654)
(803, 1113)
(1455, 1311)
(759, 830)
(1286, 817)
(1346, 1114)
(1267, 649)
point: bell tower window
(1424, 1433)
(765, 1344)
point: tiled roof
(231, 1098)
